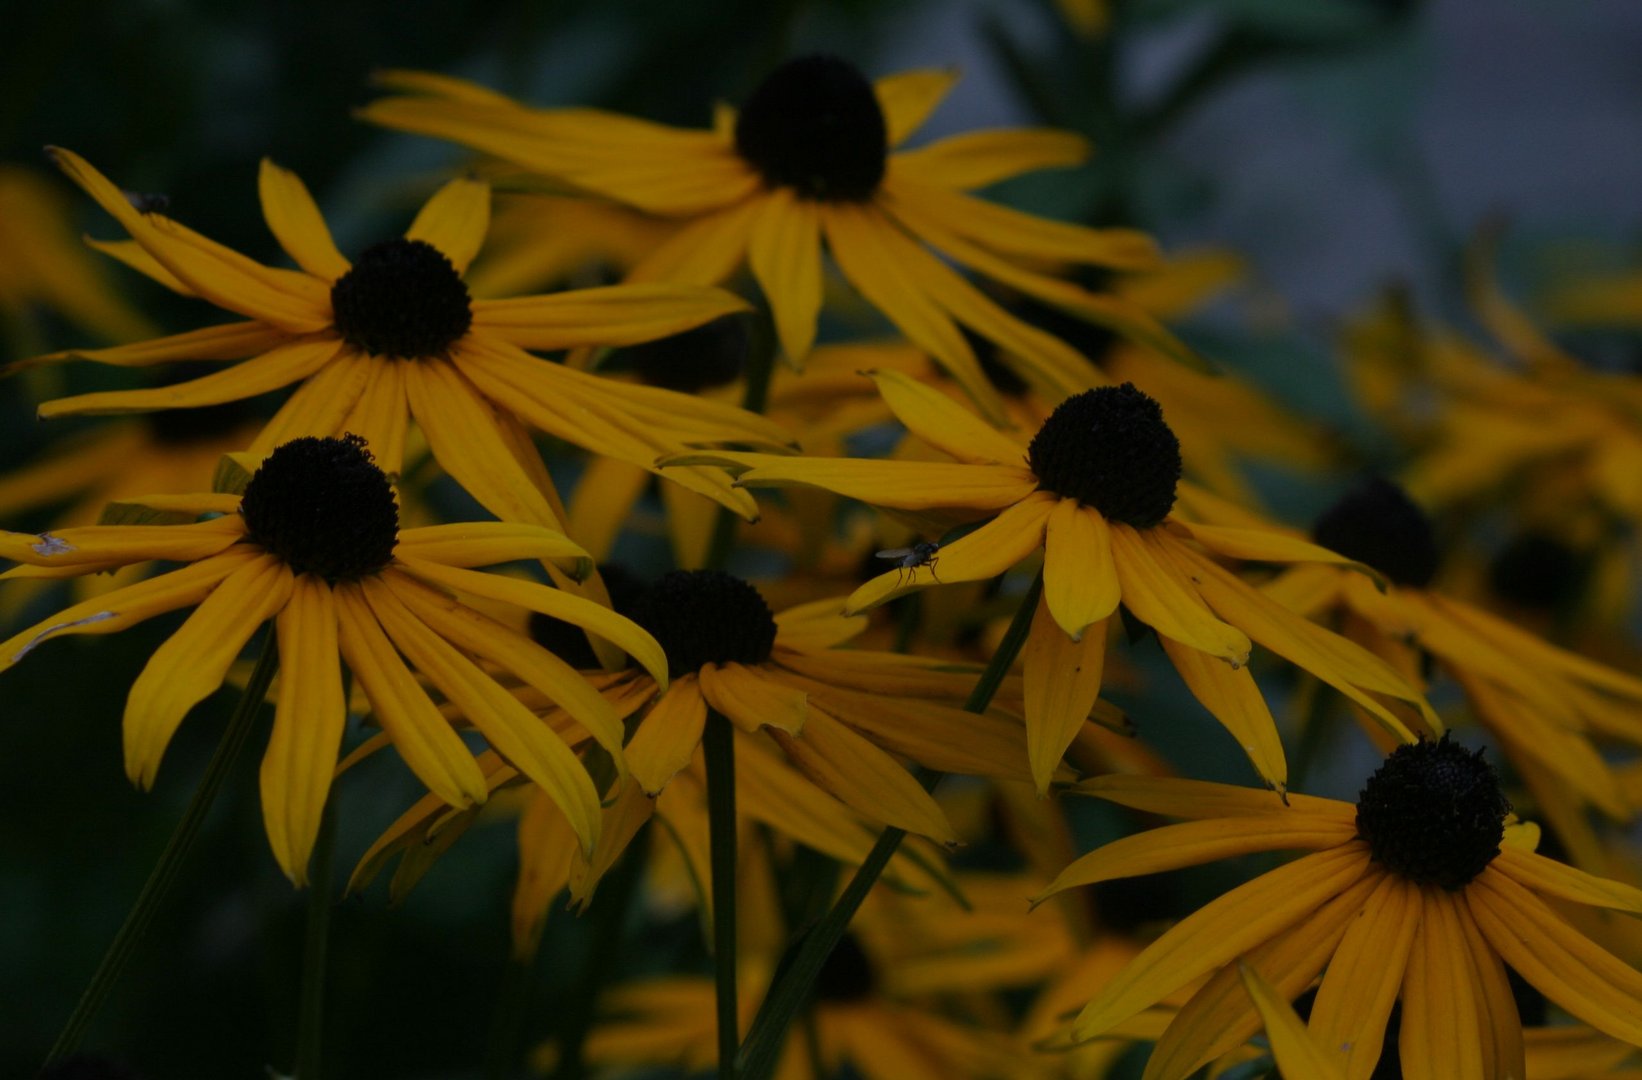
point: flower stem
(718, 747)
(791, 991)
(310, 1031)
(164, 874)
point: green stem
(718, 747)
(791, 991)
(164, 874)
(310, 1030)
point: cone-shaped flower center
(1536, 570)
(1378, 524)
(709, 355)
(324, 507)
(847, 974)
(402, 298)
(568, 641)
(814, 125)
(1434, 813)
(706, 617)
(1109, 448)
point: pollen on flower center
(710, 355)
(1433, 813)
(1109, 448)
(706, 617)
(847, 974)
(814, 124)
(1378, 524)
(324, 507)
(402, 298)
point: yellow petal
(605, 495)
(308, 721)
(668, 735)
(1062, 681)
(1080, 580)
(424, 739)
(1551, 878)
(944, 424)
(609, 315)
(908, 97)
(977, 159)
(1439, 1034)
(516, 733)
(901, 485)
(1160, 597)
(103, 545)
(381, 413)
(1176, 798)
(1294, 1049)
(486, 543)
(321, 404)
(784, 250)
(455, 221)
(279, 367)
(751, 700)
(231, 341)
(705, 252)
(1258, 545)
(1233, 697)
(125, 607)
(985, 553)
(1504, 1045)
(297, 223)
(192, 662)
(1354, 1002)
(556, 603)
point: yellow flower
(314, 544)
(1419, 892)
(394, 335)
(812, 156)
(1094, 490)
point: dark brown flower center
(402, 298)
(1109, 448)
(814, 125)
(324, 507)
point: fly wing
(895, 553)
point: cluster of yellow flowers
(1055, 473)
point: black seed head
(1433, 813)
(402, 298)
(814, 125)
(1109, 448)
(568, 641)
(1537, 571)
(706, 617)
(324, 507)
(1378, 524)
(712, 354)
(847, 975)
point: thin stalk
(718, 747)
(310, 1030)
(164, 874)
(791, 991)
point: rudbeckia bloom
(1094, 490)
(1420, 893)
(314, 543)
(1546, 705)
(812, 156)
(394, 334)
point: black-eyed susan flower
(811, 158)
(1094, 490)
(394, 335)
(314, 544)
(1547, 706)
(1421, 893)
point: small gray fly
(923, 553)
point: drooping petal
(555, 603)
(1354, 1002)
(192, 662)
(297, 223)
(944, 424)
(784, 251)
(976, 159)
(985, 553)
(1159, 596)
(901, 485)
(424, 738)
(1080, 578)
(118, 545)
(1293, 1048)
(486, 543)
(751, 700)
(1439, 1036)
(455, 221)
(126, 607)
(1260, 545)
(308, 721)
(1221, 931)
(1062, 681)
(230, 341)
(1504, 1046)
(668, 735)
(1551, 878)
(279, 367)
(1200, 799)
(608, 315)
(1233, 697)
